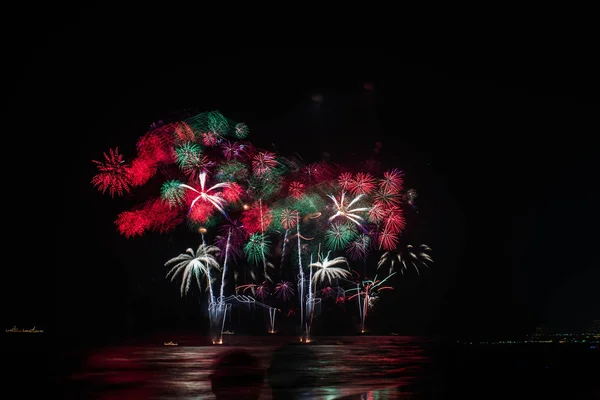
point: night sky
(503, 155)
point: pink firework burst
(289, 218)
(392, 181)
(345, 180)
(209, 139)
(231, 150)
(284, 290)
(263, 162)
(359, 249)
(236, 240)
(296, 189)
(362, 183)
(262, 290)
(113, 175)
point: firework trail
(283, 248)
(212, 296)
(262, 247)
(225, 266)
(367, 295)
(301, 280)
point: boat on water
(170, 343)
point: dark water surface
(357, 367)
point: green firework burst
(232, 171)
(217, 123)
(256, 247)
(241, 130)
(189, 156)
(172, 192)
(338, 236)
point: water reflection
(344, 366)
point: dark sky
(503, 154)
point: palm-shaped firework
(194, 265)
(410, 256)
(327, 271)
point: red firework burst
(392, 181)
(233, 193)
(155, 215)
(394, 221)
(183, 133)
(377, 213)
(164, 218)
(387, 240)
(296, 189)
(132, 223)
(157, 146)
(201, 211)
(113, 175)
(141, 170)
(363, 183)
(386, 197)
(263, 162)
(345, 180)
(256, 218)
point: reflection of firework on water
(284, 290)
(409, 256)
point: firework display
(282, 234)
